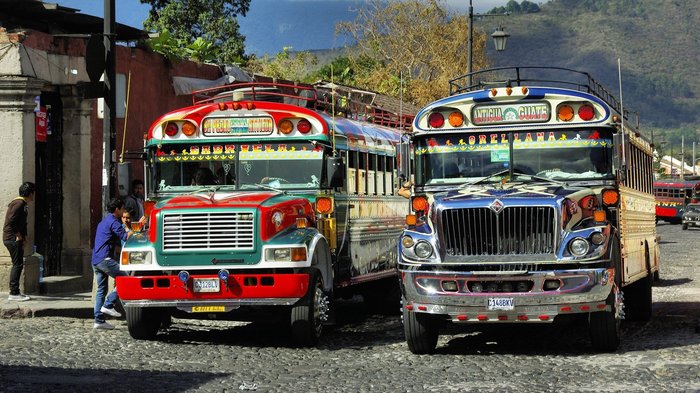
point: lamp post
(500, 37)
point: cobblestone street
(367, 352)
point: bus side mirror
(622, 149)
(334, 172)
(403, 157)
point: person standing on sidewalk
(14, 232)
(109, 231)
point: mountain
(656, 42)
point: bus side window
(362, 173)
(352, 172)
(381, 177)
(372, 174)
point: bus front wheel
(310, 313)
(421, 331)
(143, 322)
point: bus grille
(515, 231)
(208, 231)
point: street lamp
(499, 38)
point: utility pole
(682, 156)
(110, 99)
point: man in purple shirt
(109, 231)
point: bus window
(371, 174)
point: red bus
(672, 195)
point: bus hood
(249, 199)
(478, 193)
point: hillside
(656, 42)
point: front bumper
(449, 293)
(691, 223)
(238, 290)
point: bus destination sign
(222, 126)
(537, 112)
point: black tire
(143, 322)
(310, 313)
(421, 331)
(638, 297)
(685, 227)
(604, 326)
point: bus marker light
(436, 120)
(566, 309)
(599, 216)
(250, 106)
(236, 105)
(456, 119)
(585, 308)
(188, 129)
(285, 126)
(461, 317)
(409, 307)
(324, 205)
(586, 112)
(524, 90)
(544, 317)
(171, 129)
(601, 306)
(304, 126)
(610, 197)
(223, 274)
(125, 258)
(523, 317)
(222, 106)
(482, 317)
(183, 276)
(502, 317)
(298, 254)
(494, 92)
(423, 308)
(509, 90)
(411, 219)
(565, 113)
(301, 223)
(419, 203)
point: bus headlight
(140, 258)
(423, 249)
(579, 247)
(286, 254)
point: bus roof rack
(540, 75)
(324, 96)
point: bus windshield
(556, 155)
(179, 168)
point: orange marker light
(411, 219)
(610, 197)
(188, 129)
(456, 119)
(285, 126)
(324, 205)
(565, 113)
(419, 203)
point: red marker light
(171, 129)
(436, 120)
(586, 112)
(304, 126)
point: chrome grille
(514, 231)
(228, 230)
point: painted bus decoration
(260, 198)
(532, 201)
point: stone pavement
(74, 305)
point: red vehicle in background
(672, 196)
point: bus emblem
(496, 206)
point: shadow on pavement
(54, 379)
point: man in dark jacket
(14, 232)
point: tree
(417, 41)
(285, 64)
(212, 21)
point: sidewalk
(74, 305)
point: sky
(133, 13)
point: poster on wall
(41, 124)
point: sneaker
(19, 297)
(103, 325)
(110, 311)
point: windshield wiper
(499, 173)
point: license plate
(205, 284)
(208, 308)
(501, 303)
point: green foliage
(206, 29)
(512, 7)
(284, 65)
(174, 49)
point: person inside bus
(204, 177)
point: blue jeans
(104, 270)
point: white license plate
(206, 284)
(501, 303)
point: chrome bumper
(580, 291)
(228, 304)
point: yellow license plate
(208, 308)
